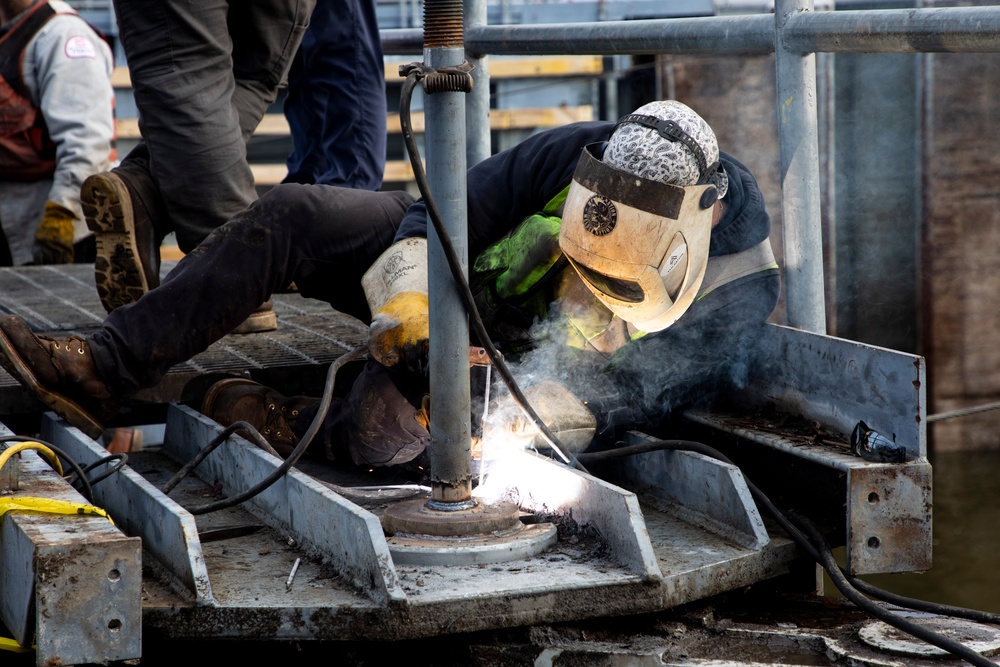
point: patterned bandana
(640, 150)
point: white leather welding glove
(569, 419)
(396, 289)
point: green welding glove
(54, 236)
(396, 289)
(569, 419)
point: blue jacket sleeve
(508, 187)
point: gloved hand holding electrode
(396, 289)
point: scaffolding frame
(794, 33)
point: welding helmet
(637, 221)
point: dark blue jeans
(336, 106)
(322, 238)
(203, 74)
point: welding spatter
(875, 447)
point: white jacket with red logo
(66, 72)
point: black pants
(322, 238)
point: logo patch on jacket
(79, 46)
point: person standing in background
(336, 104)
(203, 75)
(56, 127)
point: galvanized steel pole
(477, 102)
(800, 196)
(451, 447)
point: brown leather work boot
(60, 372)
(271, 413)
(119, 212)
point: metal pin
(291, 575)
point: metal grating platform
(62, 300)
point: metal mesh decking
(62, 300)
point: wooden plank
(515, 67)
(501, 67)
(511, 119)
(500, 119)
(396, 171)
(525, 67)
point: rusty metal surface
(839, 382)
(886, 508)
(71, 584)
(805, 394)
(62, 300)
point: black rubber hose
(121, 458)
(819, 550)
(463, 285)
(242, 427)
(923, 605)
(906, 625)
(307, 438)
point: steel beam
(833, 383)
(168, 532)
(69, 584)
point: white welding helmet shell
(641, 246)
(639, 148)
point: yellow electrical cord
(44, 505)
(49, 506)
(7, 453)
(7, 644)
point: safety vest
(518, 278)
(27, 153)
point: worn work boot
(60, 372)
(272, 414)
(119, 211)
(262, 319)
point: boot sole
(257, 322)
(66, 408)
(118, 272)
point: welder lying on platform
(614, 230)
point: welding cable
(924, 605)
(906, 625)
(40, 446)
(242, 427)
(460, 280)
(819, 550)
(803, 543)
(9, 452)
(121, 458)
(300, 448)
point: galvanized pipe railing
(798, 146)
(928, 30)
(477, 102)
(931, 30)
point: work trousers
(322, 238)
(203, 74)
(336, 105)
